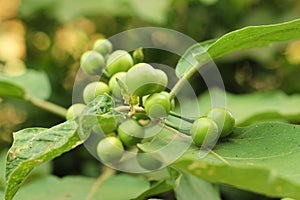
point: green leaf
(34, 83)
(255, 107)
(121, 187)
(262, 158)
(34, 146)
(187, 186)
(8, 89)
(245, 38)
(157, 188)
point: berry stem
(174, 114)
(48, 106)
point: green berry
(157, 105)
(114, 86)
(141, 79)
(204, 131)
(130, 132)
(102, 46)
(94, 89)
(223, 119)
(92, 63)
(74, 111)
(110, 150)
(119, 61)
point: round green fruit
(119, 61)
(204, 131)
(223, 119)
(74, 111)
(106, 124)
(130, 132)
(149, 161)
(141, 79)
(162, 80)
(110, 150)
(94, 89)
(157, 105)
(102, 46)
(114, 86)
(92, 63)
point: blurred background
(50, 36)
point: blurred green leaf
(2, 168)
(187, 186)
(34, 83)
(121, 187)
(49, 188)
(78, 188)
(270, 152)
(255, 107)
(8, 89)
(34, 146)
(245, 38)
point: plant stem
(180, 83)
(51, 107)
(107, 172)
(174, 114)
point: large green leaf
(34, 83)
(263, 158)
(255, 107)
(245, 38)
(78, 188)
(34, 146)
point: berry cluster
(142, 88)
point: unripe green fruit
(162, 80)
(141, 79)
(74, 111)
(114, 86)
(94, 89)
(119, 61)
(130, 132)
(106, 124)
(223, 119)
(157, 105)
(148, 161)
(110, 150)
(204, 131)
(92, 63)
(102, 46)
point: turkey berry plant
(131, 116)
